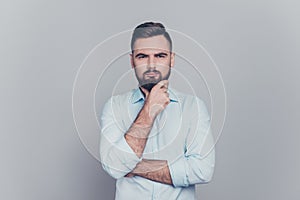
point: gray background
(254, 43)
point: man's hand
(158, 99)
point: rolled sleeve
(192, 169)
(178, 173)
(130, 159)
(116, 155)
(196, 165)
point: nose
(151, 62)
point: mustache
(151, 70)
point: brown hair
(150, 29)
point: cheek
(165, 63)
(139, 70)
(139, 62)
(164, 68)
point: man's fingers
(163, 84)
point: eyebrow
(157, 54)
(161, 54)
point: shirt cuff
(127, 156)
(178, 173)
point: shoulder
(190, 103)
(117, 103)
(121, 98)
(187, 99)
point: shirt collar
(137, 95)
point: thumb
(146, 92)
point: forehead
(155, 43)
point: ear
(172, 59)
(131, 60)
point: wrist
(145, 116)
(151, 111)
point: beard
(149, 82)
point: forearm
(137, 135)
(155, 102)
(155, 170)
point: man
(155, 140)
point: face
(152, 60)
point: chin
(148, 86)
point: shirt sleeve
(196, 164)
(117, 157)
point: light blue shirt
(180, 134)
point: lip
(151, 74)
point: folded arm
(121, 150)
(194, 166)
(155, 170)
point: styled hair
(150, 29)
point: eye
(140, 56)
(161, 55)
